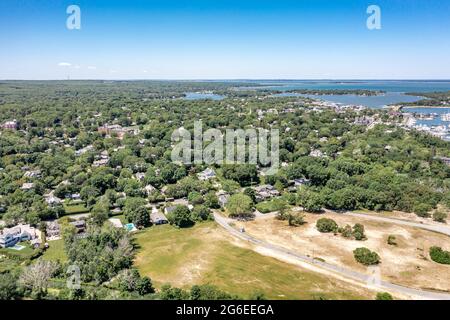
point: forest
(58, 144)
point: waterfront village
(88, 180)
(10, 237)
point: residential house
(169, 209)
(301, 182)
(12, 125)
(317, 154)
(101, 162)
(116, 222)
(265, 192)
(294, 184)
(158, 217)
(206, 174)
(183, 202)
(80, 225)
(32, 174)
(445, 160)
(84, 150)
(22, 232)
(75, 196)
(52, 200)
(27, 186)
(223, 198)
(53, 231)
(148, 189)
(140, 176)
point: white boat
(445, 117)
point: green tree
(384, 296)
(251, 193)
(201, 213)
(358, 232)
(326, 225)
(180, 217)
(239, 205)
(211, 200)
(422, 210)
(392, 240)
(440, 216)
(135, 212)
(195, 197)
(130, 280)
(366, 257)
(440, 256)
(310, 201)
(295, 219)
(100, 211)
(8, 287)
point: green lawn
(75, 208)
(25, 253)
(271, 205)
(203, 254)
(55, 251)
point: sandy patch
(408, 263)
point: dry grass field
(407, 263)
(207, 254)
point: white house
(140, 176)
(27, 186)
(32, 174)
(206, 174)
(149, 189)
(22, 232)
(52, 200)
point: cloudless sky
(224, 39)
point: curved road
(348, 273)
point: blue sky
(225, 39)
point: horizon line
(237, 79)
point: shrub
(422, 210)
(326, 225)
(358, 232)
(439, 216)
(391, 240)
(366, 257)
(384, 296)
(440, 256)
(296, 219)
(131, 281)
(346, 231)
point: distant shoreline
(426, 107)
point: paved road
(348, 273)
(430, 227)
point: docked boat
(445, 117)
